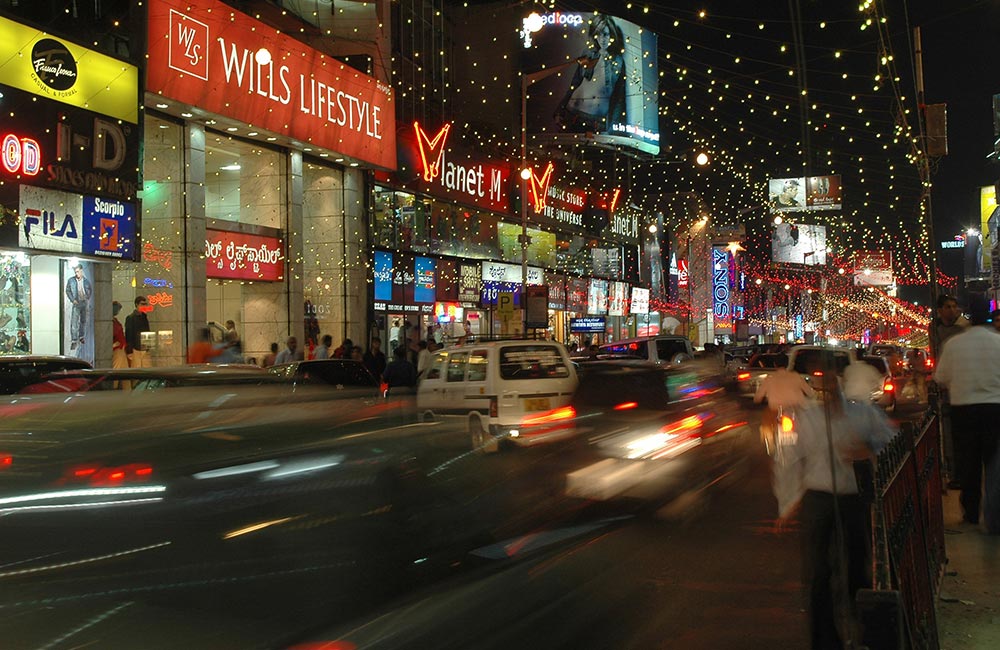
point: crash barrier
(904, 487)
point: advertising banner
(617, 298)
(425, 278)
(536, 298)
(640, 301)
(798, 244)
(987, 205)
(433, 161)
(51, 220)
(49, 144)
(577, 293)
(206, 54)
(597, 297)
(873, 268)
(799, 194)
(78, 310)
(502, 278)
(541, 250)
(470, 282)
(721, 288)
(108, 228)
(610, 93)
(241, 256)
(54, 68)
(588, 325)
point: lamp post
(523, 239)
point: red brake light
(548, 417)
(624, 406)
(786, 424)
(6, 460)
(929, 363)
(888, 386)
(100, 475)
(743, 376)
(817, 373)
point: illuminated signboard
(609, 96)
(208, 55)
(588, 325)
(640, 301)
(57, 69)
(21, 155)
(505, 278)
(720, 283)
(383, 275)
(425, 272)
(241, 256)
(682, 273)
(108, 228)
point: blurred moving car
(894, 354)
(746, 379)
(16, 372)
(664, 348)
(650, 430)
(490, 386)
(147, 379)
(340, 373)
(884, 394)
(808, 360)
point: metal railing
(908, 528)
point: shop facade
(446, 238)
(254, 185)
(69, 192)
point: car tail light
(625, 406)
(743, 376)
(787, 424)
(6, 460)
(549, 417)
(817, 373)
(685, 425)
(493, 407)
(109, 475)
(888, 386)
(929, 363)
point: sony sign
(720, 283)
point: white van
(495, 386)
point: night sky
(732, 81)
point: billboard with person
(606, 86)
(799, 194)
(795, 243)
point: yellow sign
(987, 203)
(505, 304)
(52, 67)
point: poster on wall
(15, 323)
(78, 310)
(798, 244)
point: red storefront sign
(239, 256)
(206, 54)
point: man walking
(969, 368)
(948, 323)
(290, 353)
(135, 324)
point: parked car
(339, 373)
(16, 372)
(492, 385)
(147, 379)
(661, 349)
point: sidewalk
(969, 603)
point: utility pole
(925, 171)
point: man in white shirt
(969, 368)
(782, 389)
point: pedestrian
(231, 335)
(202, 350)
(374, 359)
(969, 368)
(119, 358)
(290, 353)
(344, 351)
(394, 334)
(135, 324)
(821, 487)
(270, 357)
(399, 372)
(423, 356)
(323, 350)
(948, 323)
(861, 380)
(357, 354)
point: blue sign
(383, 275)
(589, 325)
(492, 288)
(425, 271)
(108, 228)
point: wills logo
(109, 235)
(540, 187)
(188, 40)
(431, 150)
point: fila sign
(205, 54)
